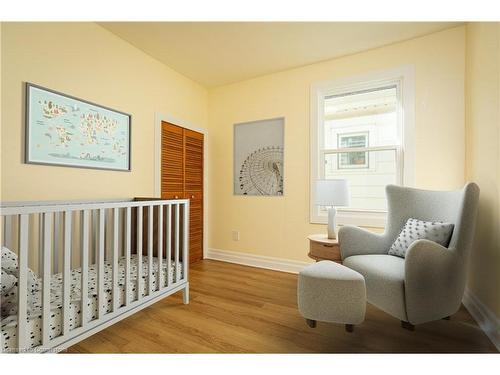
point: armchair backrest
(458, 207)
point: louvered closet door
(172, 161)
(193, 190)
(182, 177)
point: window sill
(356, 218)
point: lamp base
(332, 224)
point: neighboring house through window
(355, 159)
(362, 131)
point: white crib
(96, 263)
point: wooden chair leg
(311, 323)
(407, 325)
(349, 327)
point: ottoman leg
(407, 325)
(311, 323)
(349, 327)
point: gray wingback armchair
(429, 283)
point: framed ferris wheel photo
(258, 157)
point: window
(362, 131)
(355, 159)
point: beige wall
(87, 61)
(278, 226)
(483, 157)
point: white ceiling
(217, 53)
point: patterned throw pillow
(415, 229)
(8, 281)
(10, 273)
(9, 261)
(10, 266)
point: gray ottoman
(330, 292)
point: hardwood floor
(238, 309)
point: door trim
(159, 117)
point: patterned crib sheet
(34, 329)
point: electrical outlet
(236, 235)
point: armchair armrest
(434, 281)
(357, 241)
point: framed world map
(67, 131)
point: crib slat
(100, 265)
(40, 242)
(128, 233)
(177, 235)
(8, 231)
(139, 253)
(169, 243)
(22, 283)
(185, 242)
(150, 249)
(160, 247)
(95, 236)
(66, 270)
(47, 249)
(85, 266)
(115, 259)
(56, 242)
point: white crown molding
(259, 261)
(485, 318)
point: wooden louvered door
(193, 190)
(182, 177)
(172, 161)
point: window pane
(363, 119)
(373, 112)
(353, 140)
(353, 159)
(366, 186)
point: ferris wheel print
(262, 172)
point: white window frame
(404, 80)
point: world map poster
(67, 131)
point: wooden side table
(323, 248)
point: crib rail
(97, 235)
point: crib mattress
(34, 328)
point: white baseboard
(260, 261)
(485, 318)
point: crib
(82, 266)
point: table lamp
(332, 193)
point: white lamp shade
(332, 192)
